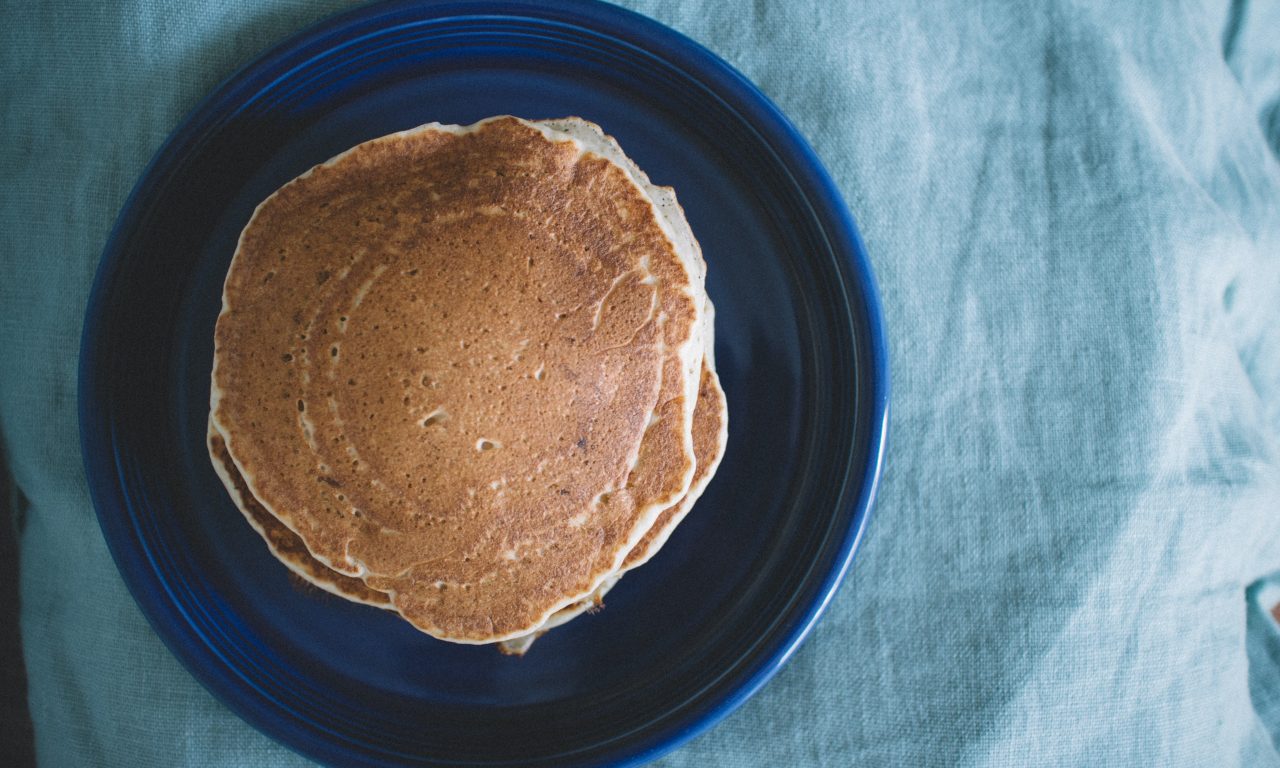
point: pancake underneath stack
(465, 374)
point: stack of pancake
(466, 374)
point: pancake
(439, 362)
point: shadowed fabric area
(15, 723)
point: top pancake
(438, 356)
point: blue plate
(685, 639)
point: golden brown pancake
(437, 361)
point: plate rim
(599, 17)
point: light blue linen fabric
(1073, 209)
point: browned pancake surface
(437, 352)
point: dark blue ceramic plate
(685, 639)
